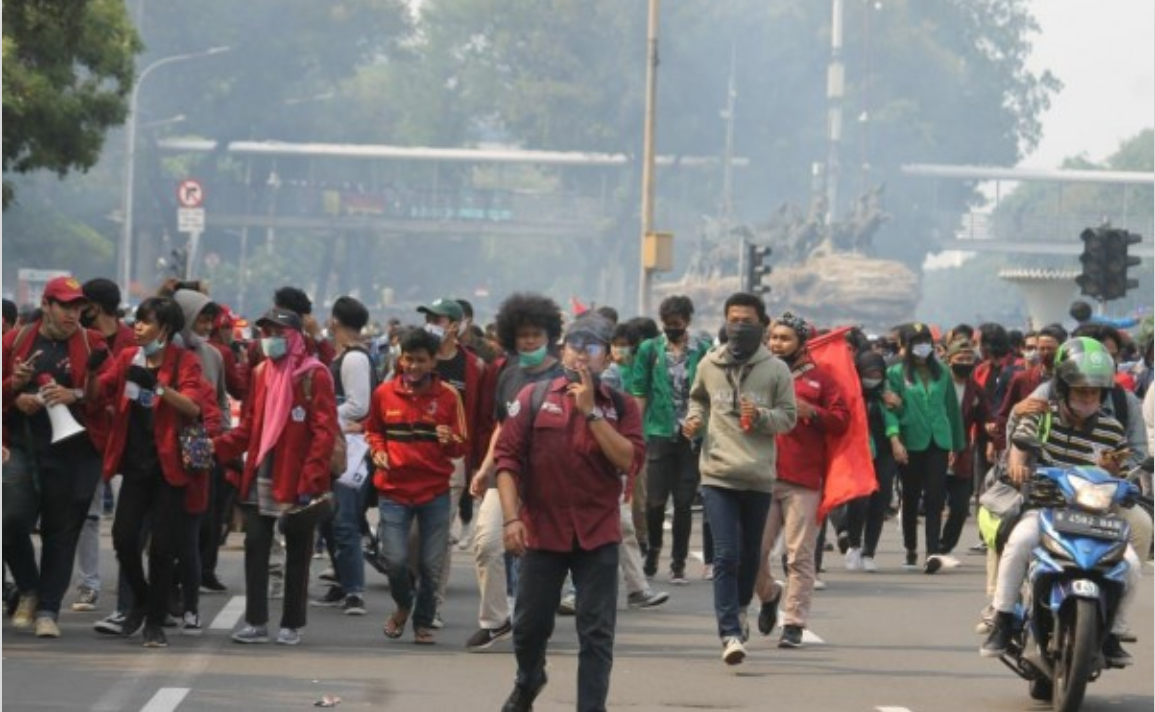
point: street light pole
(648, 155)
(124, 275)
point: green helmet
(1083, 362)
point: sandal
(424, 636)
(395, 624)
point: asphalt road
(886, 642)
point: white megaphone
(64, 426)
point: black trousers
(923, 477)
(153, 498)
(595, 578)
(671, 470)
(958, 495)
(259, 532)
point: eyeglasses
(593, 349)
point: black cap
(281, 317)
(591, 327)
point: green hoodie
(732, 458)
(651, 380)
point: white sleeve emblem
(513, 408)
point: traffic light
(1116, 282)
(1093, 280)
(758, 268)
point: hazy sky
(1104, 53)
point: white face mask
(1083, 410)
(922, 350)
(436, 330)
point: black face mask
(962, 370)
(742, 340)
(674, 334)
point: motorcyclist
(1070, 429)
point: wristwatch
(78, 394)
(594, 416)
(159, 390)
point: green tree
(68, 68)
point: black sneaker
(111, 625)
(154, 637)
(843, 542)
(521, 699)
(1114, 653)
(911, 560)
(211, 584)
(933, 564)
(791, 637)
(650, 568)
(1000, 637)
(484, 638)
(768, 615)
(334, 597)
(353, 605)
(133, 622)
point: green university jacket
(929, 414)
(651, 381)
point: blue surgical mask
(532, 359)
(922, 351)
(153, 347)
(274, 347)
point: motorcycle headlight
(1094, 497)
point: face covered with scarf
(788, 338)
(286, 361)
(743, 331)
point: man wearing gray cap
(559, 458)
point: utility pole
(728, 157)
(835, 84)
(648, 156)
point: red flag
(849, 467)
(577, 307)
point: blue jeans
(737, 520)
(348, 559)
(57, 486)
(433, 535)
(595, 575)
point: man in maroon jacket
(960, 357)
(560, 457)
(45, 365)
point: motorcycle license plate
(1094, 525)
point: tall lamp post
(644, 277)
(126, 236)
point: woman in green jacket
(930, 432)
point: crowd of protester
(553, 448)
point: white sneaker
(819, 585)
(465, 539)
(868, 564)
(733, 652)
(854, 559)
(949, 562)
(288, 636)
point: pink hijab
(280, 374)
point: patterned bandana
(797, 324)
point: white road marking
(166, 699)
(892, 709)
(229, 615)
(809, 636)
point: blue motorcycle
(1076, 578)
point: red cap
(224, 318)
(64, 290)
